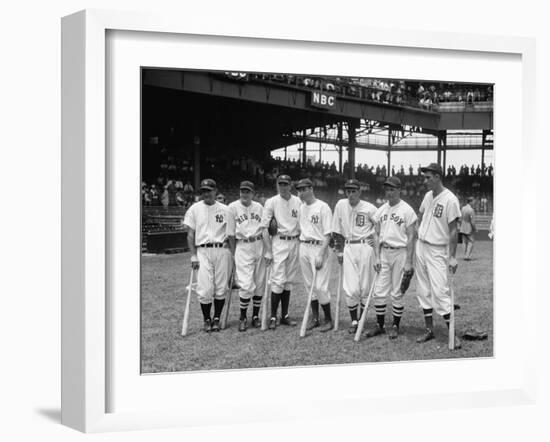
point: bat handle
(338, 292)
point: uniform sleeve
(189, 219)
(410, 218)
(336, 225)
(377, 214)
(230, 221)
(453, 210)
(267, 213)
(326, 215)
(424, 204)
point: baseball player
(315, 219)
(468, 228)
(396, 226)
(250, 263)
(211, 239)
(436, 249)
(358, 248)
(283, 248)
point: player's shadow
(51, 414)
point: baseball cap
(393, 181)
(248, 185)
(433, 167)
(306, 182)
(283, 179)
(208, 184)
(352, 184)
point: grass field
(163, 349)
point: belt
(288, 238)
(385, 246)
(251, 239)
(357, 241)
(430, 244)
(311, 241)
(213, 245)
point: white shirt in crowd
(394, 221)
(353, 222)
(212, 224)
(248, 220)
(315, 221)
(437, 213)
(285, 212)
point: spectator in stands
(411, 170)
(155, 196)
(220, 197)
(490, 170)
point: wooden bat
(338, 292)
(225, 314)
(452, 318)
(185, 324)
(264, 300)
(308, 304)
(363, 319)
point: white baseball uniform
(212, 225)
(284, 245)
(315, 225)
(356, 225)
(249, 253)
(394, 222)
(432, 250)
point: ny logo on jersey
(314, 219)
(438, 211)
(294, 213)
(360, 220)
(219, 218)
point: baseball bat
(308, 304)
(185, 323)
(363, 319)
(338, 292)
(264, 300)
(228, 303)
(452, 318)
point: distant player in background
(284, 208)
(436, 249)
(315, 227)
(468, 228)
(353, 225)
(211, 239)
(396, 225)
(250, 262)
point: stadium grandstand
(232, 126)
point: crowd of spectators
(426, 95)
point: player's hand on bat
(377, 264)
(340, 258)
(453, 264)
(408, 267)
(194, 262)
(319, 261)
(268, 259)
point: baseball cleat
(376, 331)
(207, 326)
(427, 336)
(242, 325)
(352, 328)
(458, 343)
(393, 332)
(287, 321)
(272, 324)
(256, 323)
(314, 323)
(216, 325)
(327, 326)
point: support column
(353, 125)
(439, 144)
(482, 162)
(304, 149)
(340, 148)
(196, 162)
(389, 151)
(285, 153)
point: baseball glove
(406, 281)
(337, 241)
(273, 227)
(473, 334)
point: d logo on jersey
(360, 220)
(438, 211)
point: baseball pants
(432, 277)
(468, 244)
(358, 272)
(285, 267)
(250, 269)
(388, 282)
(215, 266)
(308, 253)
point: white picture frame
(86, 311)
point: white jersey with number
(394, 221)
(437, 213)
(353, 222)
(212, 224)
(315, 221)
(247, 219)
(285, 212)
